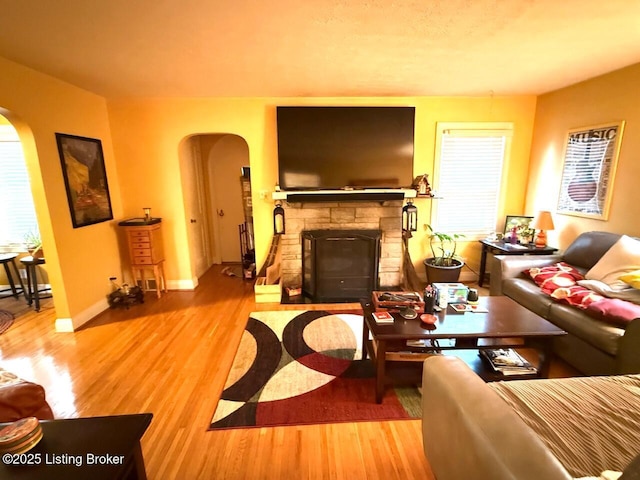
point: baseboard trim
(182, 284)
(70, 325)
(64, 325)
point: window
(468, 177)
(17, 212)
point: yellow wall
(603, 99)
(79, 261)
(147, 133)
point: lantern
(278, 219)
(409, 217)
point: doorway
(212, 166)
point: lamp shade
(543, 221)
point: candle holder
(147, 214)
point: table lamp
(542, 222)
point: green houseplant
(444, 266)
(34, 244)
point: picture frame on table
(85, 179)
(588, 173)
(522, 225)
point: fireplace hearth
(340, 265)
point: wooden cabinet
(146, 251)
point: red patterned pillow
(559, 275)
(577, 296)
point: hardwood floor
(170, 356)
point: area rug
(6, 320)
(295, 368)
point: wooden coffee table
(506, 325)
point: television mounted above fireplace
(345, 148)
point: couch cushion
(588, 248)
(527, 294)
(622, 258)
(590, 424)
(604, 336)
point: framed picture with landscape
(85, 179)
(590, 160)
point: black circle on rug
(267, 358)
(6, 320)
(292, 339)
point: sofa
(20, 398)
(551, 429)
(600, 341)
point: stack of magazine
(507, 361)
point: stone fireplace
(353, 216)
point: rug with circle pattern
(294, 368)
(6, 320)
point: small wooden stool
(158, 275)
(8, 259)
(33, 293)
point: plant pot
(443, 274)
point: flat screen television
(331, 148)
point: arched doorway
(20, 232)
(211, 167)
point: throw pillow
(632, 279)
(554, 276)
(576, 296)
(613, 310)
(629, 294)
(622, 258)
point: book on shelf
(507, 361)
(382, 317)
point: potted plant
(444, 266)
(34, 244)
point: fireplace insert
(340, 265)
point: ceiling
(267, 48)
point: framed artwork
(85, 179)
(590, 160)
(524, 231)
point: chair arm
(470, 432)
(510, 266)
(628, 357)
(23, 399)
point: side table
(33, 292)
(7, 260)
(504, 248)
(98, 448)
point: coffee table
(507, 324)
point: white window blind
(17, 212)
(469, 176)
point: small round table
(33, 293)
(8, 259)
